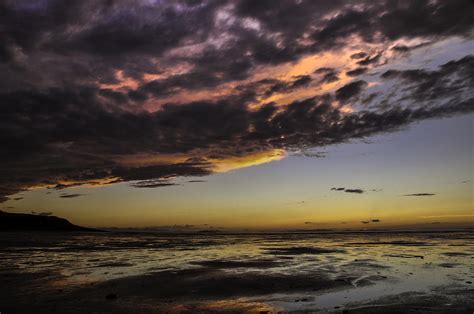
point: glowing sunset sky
(239, 114)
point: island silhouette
(31, 222)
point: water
(245, 272)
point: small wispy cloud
(365, 222)
(356, 191)
(153, 184)
(71, 195)
(420, 194)
(447, 216)
(304, 153)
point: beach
(351, 272)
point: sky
(239, 114)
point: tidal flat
(119, 272)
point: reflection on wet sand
(261, 273)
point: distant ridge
(28, 222)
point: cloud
(357, 71)
(80, 141)
(366, 222)
(328, 75)
(448, 216)
(358, 55)
(286, 87)
(189, 168)
(152, 184)
(193, 33)
(404, 49)
(356, 191)
(350, 90)
(92, 87)
(70, 195)
(369, 60)
(420, 194)
(305, 153)
(452, 79)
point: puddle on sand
(350, 267)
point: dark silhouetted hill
(27, 222)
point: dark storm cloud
(78, 142)
(370, 60)
(209, 72)
(327, 75)
(451, 79)
(61, 125)
(358, 55)
(420, 194)
(61, 186)
(148, 173)
(147, 29)
(286, 87)
(357, 71)
(425, 18)
(323, 70)
(64, 43)
(350, 90)
(91, 39)
(406, 49)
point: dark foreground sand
(212, 291)
(258, 274)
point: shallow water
(298, 271)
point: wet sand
(150, 273)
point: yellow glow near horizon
(239, 162)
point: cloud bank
(103, 92)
